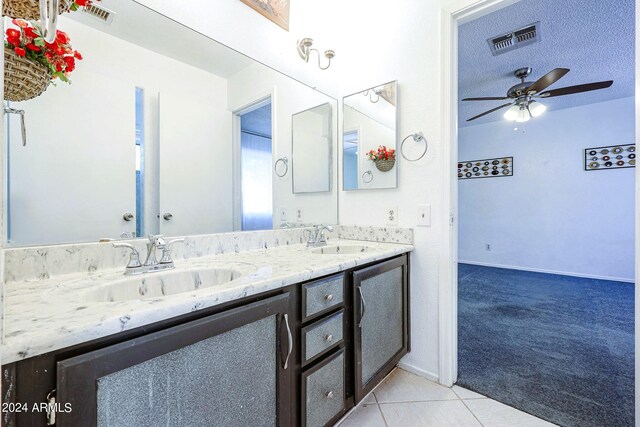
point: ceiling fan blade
(488, 98)
(490, 111)
(547, 80)
(576, 89)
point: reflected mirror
(370, 138)
(312, 141)
(166, 131)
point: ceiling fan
(522, 97)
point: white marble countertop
(46, 315)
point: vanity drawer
(323, 392)
(322, 335)
(322, 295)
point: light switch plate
(424, 215)
(299, 215)
(392, 215)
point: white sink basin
(155, 285)
(340, 249)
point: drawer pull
(328, 297)
(329, 394)
(328, 337)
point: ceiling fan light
(523, 115)
(512, 113)
(536, 109)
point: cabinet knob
(127, 216)
(168, 216)
(328, 297)
(328, 337)
(328, 394)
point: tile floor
(407, 400)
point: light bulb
(523, 115)
(512, 113)
(536, 109)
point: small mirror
(370, 138)
(311, 147)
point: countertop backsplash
(43, 262)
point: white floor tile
(364, 415)
(495, 414)
(464, 393)
(402, 386)
(432, 414)
(369, 399)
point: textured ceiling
(593, 38)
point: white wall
(552, 215)
(76, 177)
(289, 97)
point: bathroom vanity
(296, 338)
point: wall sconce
(373, 94)
(304, 50)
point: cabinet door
(381, 321)
(229, 369)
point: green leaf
(39, 41)
(74, 7)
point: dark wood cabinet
(228, 369)
(381, 326)
(298, 356)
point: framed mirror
(165, 131)
(369, 140)
(311, 150)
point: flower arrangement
(382, 153)
(28, 42)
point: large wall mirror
(370, 138)
(164, 130)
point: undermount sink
(340, 249)
(155, 285)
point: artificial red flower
(12, 33)
(62, 37)
(20, 51)
(33, 47)
(20, 23)
(83, 2)
(77, 55)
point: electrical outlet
(282, 214)
(392, 215)
(299, 215)
(424, 215)
(487, 247)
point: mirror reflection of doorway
(351, 160)
(256, 149)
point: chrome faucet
(317, 237)
(151, 262)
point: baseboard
(417, 371)
(541, 270)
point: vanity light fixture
(304, 50)
(373, 94)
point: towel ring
(417, 137)
(285, 162)
(369, 173)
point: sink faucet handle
(166, 251)
(320, 237)
(134, 257)
(157, 240)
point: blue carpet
(557, 347)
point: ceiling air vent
(515, 39)
(98, 12)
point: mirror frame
(396, 134)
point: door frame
(245, 107)
(452, 16)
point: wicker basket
(385, 165)
(23, 79)
(29, 9)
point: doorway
(450, 286)
(255, 160)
